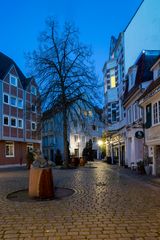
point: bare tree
(65, 73)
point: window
(90, 113)
(129, 115)
(94, 127)
(85, 113)
(9, 149)
(148, 116)
(113, 105)
(5, 120)
(112, 78)
(29, 147)
(159, 110)
(76, 138)
(20, 123)
(33, 90)
(33, 126)
(155, 113)
(94, 139)
(13, 122)
(13, 80)
(131, 79)
(13, 101)
(5, 98)
(114, 115)
(33, 108)
(20, 103)
(136, 108)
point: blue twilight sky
(22, 20)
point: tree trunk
(65, 137)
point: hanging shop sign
(139, 134)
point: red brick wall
(20, 153)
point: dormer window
(132, 77)
(33, 90)
(13, 80)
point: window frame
(10, 144)
(12, 76)
(15, 103)
(6, 94)
(35, 126)
(11, 122)
(3, 120)
(112, 75)
(20, 99)
(129, 115)
(35, 90)
(18, 123)
(156, 113)
(35, 108)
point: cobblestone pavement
(106, 205)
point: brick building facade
(19, 115)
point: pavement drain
(22, 195)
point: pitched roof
(153, 85)
(5, 64)
(144, 64)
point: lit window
(13, 122)
(5, 98)
(13, 101)
(13, 80)
(20, 123)
(112, 78)
(155, 113)
(90, 113)
(20, 103)
(33, 90)
(33, 126)
(30, 148)
(5, 120)
(113, 82)
(85, 113)
(9, 149)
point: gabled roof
(153, 85)
(144, 74)
(6, 63)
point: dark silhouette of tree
(65, 73)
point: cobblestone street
(107, 204)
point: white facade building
(150, 101)
(81, 132)
(142, 33)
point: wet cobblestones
(107, 204)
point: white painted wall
(143, 33)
